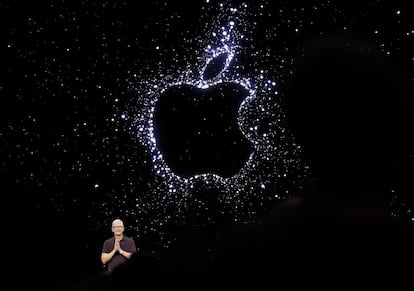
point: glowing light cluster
(273, 169)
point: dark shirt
(127, 245)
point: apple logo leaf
(215, 66)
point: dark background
(70, 160)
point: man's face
(117, 228)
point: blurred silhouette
(143, 271)
(345, 104)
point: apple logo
(196, 125)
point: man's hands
(106, 257)
(117, 247)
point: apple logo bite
(196, 125)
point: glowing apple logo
(197, 127)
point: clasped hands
(117, 247)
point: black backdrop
(66, 150)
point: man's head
(343, 105)
(117, 227)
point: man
(117, 249)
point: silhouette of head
(343, 104)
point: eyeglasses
(118, 226)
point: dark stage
(172, 116)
